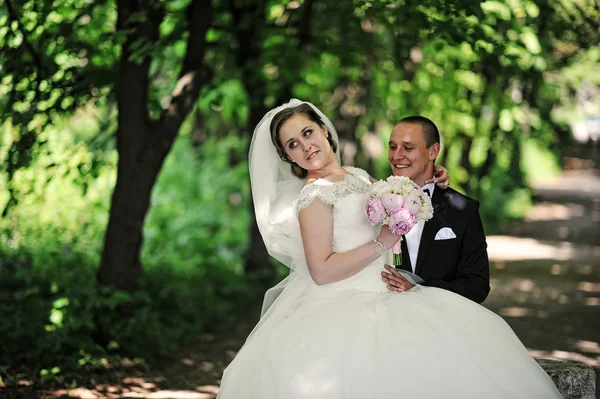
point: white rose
(426, 211)
(380, 187)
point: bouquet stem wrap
(397, 251)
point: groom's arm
(473, 268)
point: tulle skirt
(347, 343)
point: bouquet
(399, 203)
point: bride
(335, 331)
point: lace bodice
(350, 226)
(356, 181)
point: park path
(545, 274)
(546, 269)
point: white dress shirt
(413, 237)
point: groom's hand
(394, 280)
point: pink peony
(392, 202)
(401, 221)
(375, 210)
(412, 203)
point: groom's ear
(434, 151)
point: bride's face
(305, 142)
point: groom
(448, 251)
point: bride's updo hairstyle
(280, 118)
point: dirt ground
(545, 283)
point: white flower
(380, 187)
(397, 181)
(426, 211)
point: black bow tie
(426, 191)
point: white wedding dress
(355, 339)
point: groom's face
(408, 153)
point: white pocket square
(445, 233)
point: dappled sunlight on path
(83, 393)
(545, 271)
(510, 248)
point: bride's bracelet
(379, 247)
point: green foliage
(205, 210)
(50, 248)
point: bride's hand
(440, 177)
(387, 238)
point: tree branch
(193, 73)
(306, 23)
(304, 38)
(140, 23)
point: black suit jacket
(461, 264)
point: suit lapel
(431, 227)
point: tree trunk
(258, 262)
(465, 162)
(248, 58)
(137, 173)
(120, 265)
(143, 144)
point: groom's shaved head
(430, 131)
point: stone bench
(573, 380)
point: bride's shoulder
(330, 189)
(323, 188)
(358, 172)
